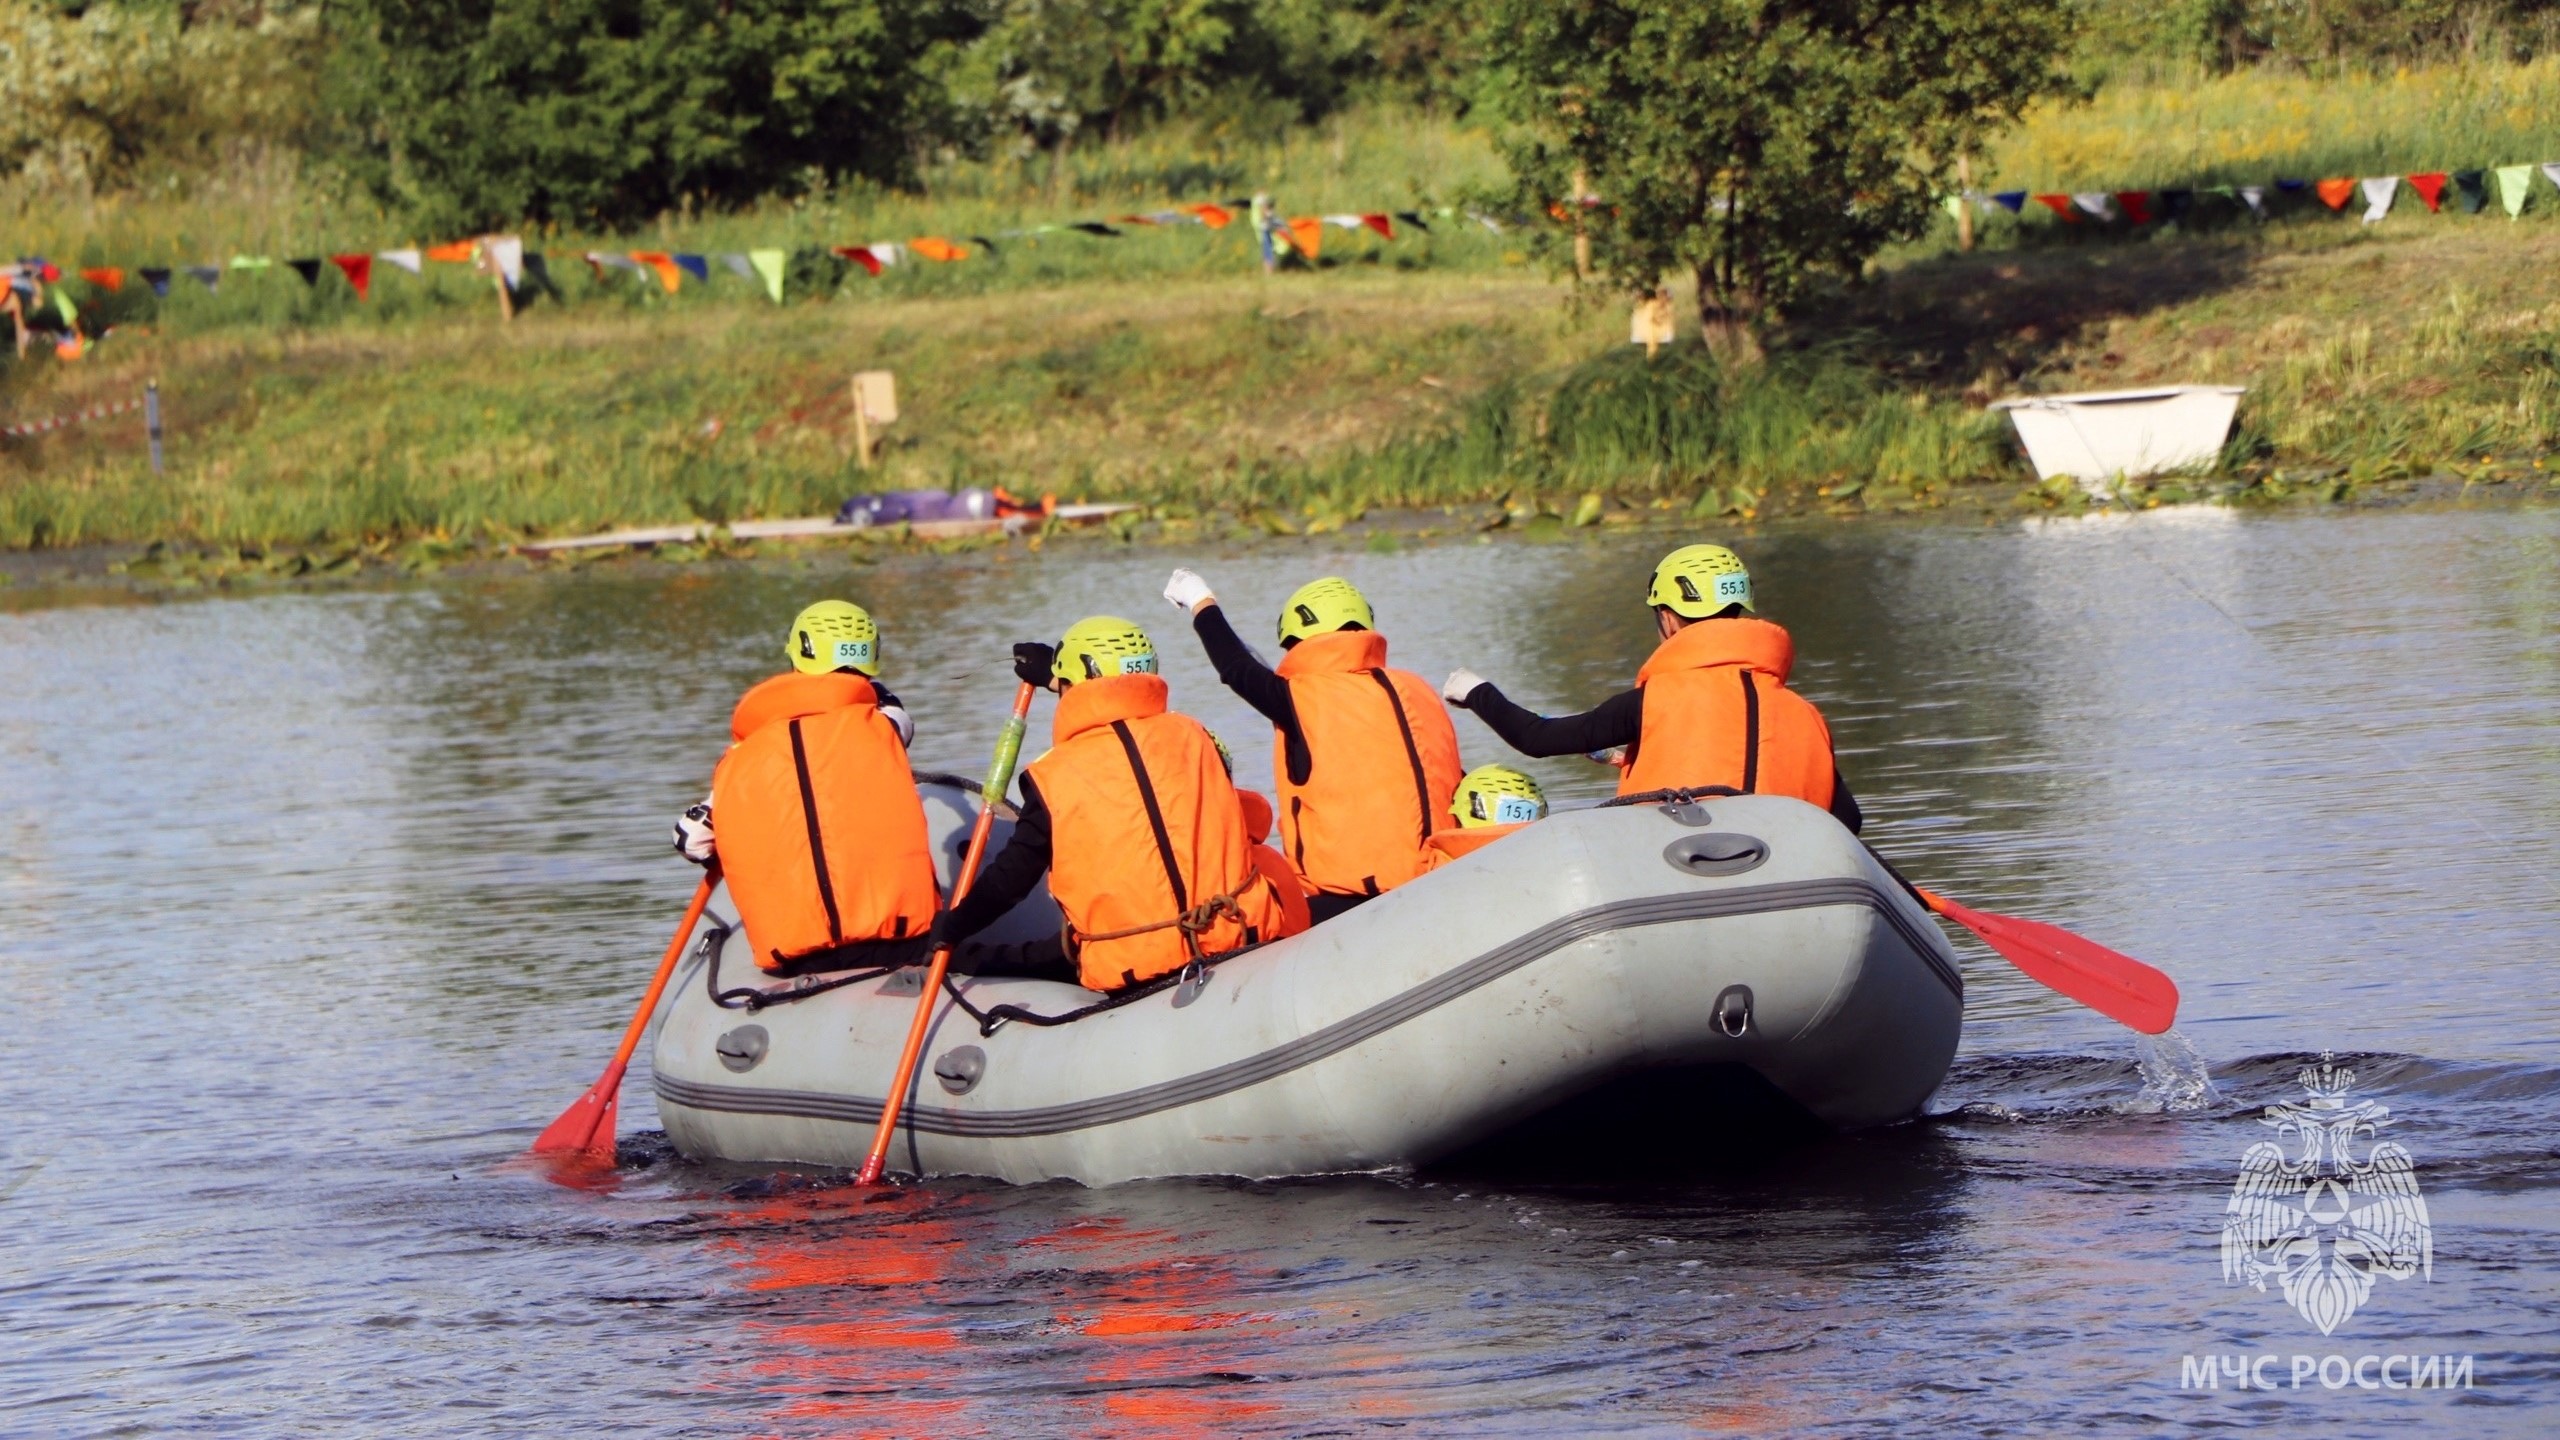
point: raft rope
(994, 1017)
(754, 998)
(1668, 797)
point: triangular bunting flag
(2336, 193)
(934, 247)
(601, 260)
(2290, 186)
(2255, 197)
(2137, 205)
(2551, 171)
(537, 274)
(738, 264)
(860, 255)
(359, 272)
(663, 265)
(308, 269)
(2471, 189)
(1216, 217)
(157, 279)
(2060, 205)
(2379, 192)
(405, 259)
(506, 254)
(1306, 235)
(694, 265)
(209, 275)
(1094, 227)
(251, 262)
(107, 278)
(2096, 204)
(1386, 228)
(769, 264)
(2176, 204)
(458, 252)
(888, 253)
(2012, 201)
(2430, 188)
(1344, 222)
(1414, 219)
(2514, 183)
(984, 243)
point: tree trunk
(1727, 322)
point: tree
(490, 112)
(1758, 143)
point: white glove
(693, 835)
(900, 721)
(1461, 684)
(1188, 590)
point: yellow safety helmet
(834, 635)
(1696, 581)
(1323, 606)
(1101, 647)
(1497, 795)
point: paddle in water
(586, 1128)
(2117, 986)
(999, 776)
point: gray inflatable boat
(1656, 976)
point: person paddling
(821, 834)
(1133, 818)
(1364, 756)
(1711, 708)
(1492, 801)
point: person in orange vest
(821, 835)
(1133, 818)
(1364, 757)
(1492, 801)
(1711, 708)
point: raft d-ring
(1187, 989)
(1733, 1011)
(959, 1069)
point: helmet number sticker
(1514, 810)
(853, 652)
(1733, 590)
(1137, 664)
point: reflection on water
(314, 907)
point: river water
(313, 907)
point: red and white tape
(97, 413)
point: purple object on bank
(891, 507)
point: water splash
(2174, 1078)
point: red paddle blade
(2117, 986)
(587, 1127)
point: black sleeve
(1844, 806)
(1013, 873)
(1616, 721)
(1254, 683)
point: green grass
(1166, 367)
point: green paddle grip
(1008, 750)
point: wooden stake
(506, 298)
(1581, 239)
(861, 430)
(1964, 203)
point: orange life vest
(1384, 764)
(1717, 711)
(821, 834)
(1449, 844)
(1148, 856)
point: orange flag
(934, 247)
(1381, 224)
(1307, 234)
(2336, 193)
(107, 278)
(663, 263)
(1213, 216)
(457, 253)
(2061, 206)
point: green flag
(1954, 206)
(252, 262)
(769, 265)
(2514, 183)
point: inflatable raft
(1653, 975)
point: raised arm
(1613, 722)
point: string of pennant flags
(506, 256)
(2510, 187)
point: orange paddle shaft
(999, 775)
(587, 1126)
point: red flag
(105, 278)
(2430, 187)
(458, 252)
(1381, 224)
(2060, 205)
(2137, 205)
(860, 255)
(1213, 216)
(2336, 193)
(359, 272)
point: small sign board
(1651, 326)
(875, 396)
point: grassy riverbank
(1442, 368)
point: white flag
(2551, 171)
(739, 265)
(2379, 191)
(408, 260)
(2255, 197)
(507, 253)
(2096, 203)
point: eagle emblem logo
(2325, 1224)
